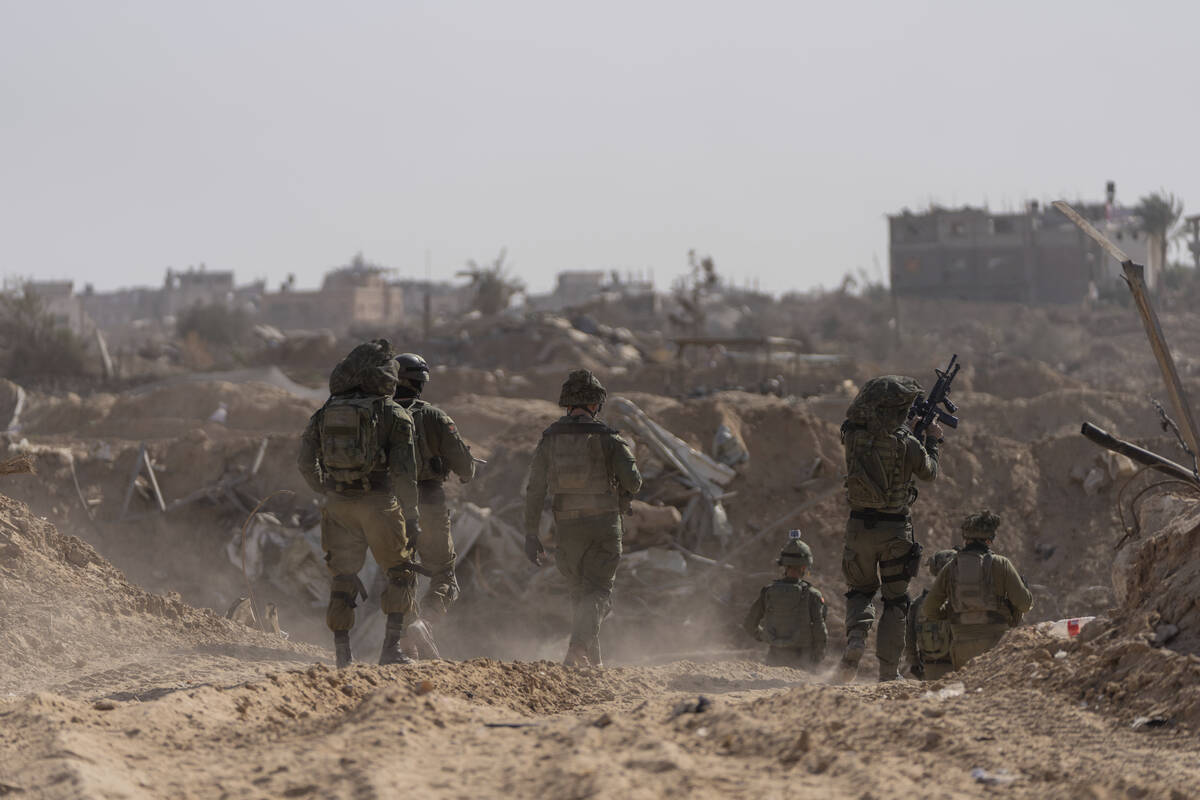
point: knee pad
(402, 575)
(348, 589)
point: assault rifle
(937, 407)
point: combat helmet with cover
(874, 442)
(981, 525)
(360, 386)
(795, 553)
(581, 388)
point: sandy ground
(489, 729)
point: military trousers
(969, 641)
(865, 548)
(435, 546)
(351, 524)
(589, 550)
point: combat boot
(856, 645)
(576, 656)
(394, 642)
(341, 648)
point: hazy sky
(277, 137)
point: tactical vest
(578, 469)
(933, 636)
(787, 621)
(973, 600)
(875, 469)
(350, 449)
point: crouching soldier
(980, 592)
(789, 614)
(927, 645)
(358, 452)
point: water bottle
(1065, 628)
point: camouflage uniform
(980, 593)
(440, 451)
(789, 614)
(586, 467)
(883, 462)
(369, 512)
(927, 645)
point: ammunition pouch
(910, 564)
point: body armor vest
(875, 470)
(786, 618)
(974, 600)
(578, 470)
(429, 461)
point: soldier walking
(883, 462)
(440, 451)
(358, 451)
(979, 592)
(586, 468)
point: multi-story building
(1034, 256)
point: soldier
(589, 471)
(440, 451)
(927, 645)
(883, 461)
(358, 451)
(789, 615)
(980, 592)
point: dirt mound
(1142, 660)
(65, 611)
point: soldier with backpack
(440, 451)
(927, 644)
(789, 614)
(358, 451)
(979, 592)
(586, 468)
(883, 462)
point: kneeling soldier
(980, 592)
(789, 614)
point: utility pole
(428, 322)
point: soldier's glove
(534, 550)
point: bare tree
(493, 283)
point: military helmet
(412, 367)
(581, 388)
(981, 525)
(368, 367)
(886, 396)
(889, 391)
(795, 553)
(940, 559)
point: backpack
(874, 468)
(350, 448)
(973, 598)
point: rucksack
(874, 468)
(350, 447)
